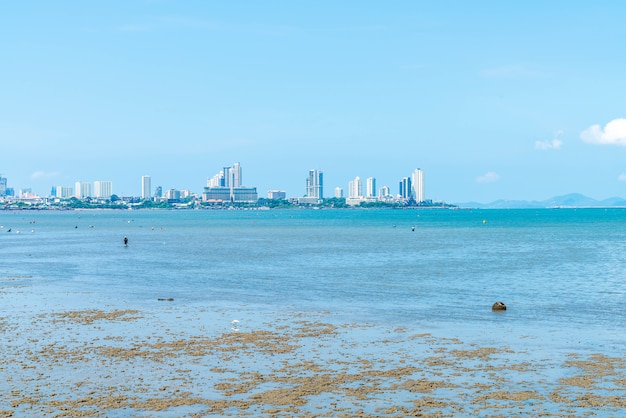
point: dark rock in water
(498, 306)
(165, 299)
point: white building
(371, 187)
(83, 189)
(276, 194)
(226, 186)
(146, 187)
(315, 184)
(102, 189)
(355, 188)
(236, 175)
(417, 183)
(338, 192)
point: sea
(560, 272)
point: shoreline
(192, 361)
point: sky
(492, 100)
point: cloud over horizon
(614, 133)
(489, 177)
(554, 143)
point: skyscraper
(236, 175)
(226, 177)
(83, 189)
(371, 187)
(62, 192)
(417, 180)
(315, 184)
(355, 188)
(226, 186)
(102, 189)
(3, 186)
(405, 188)
(146, 187)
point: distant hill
(576, 200)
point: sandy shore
(192, 361)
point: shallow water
(555, 269)
(561, 272)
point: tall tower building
(355, 188)
(405, 188)
(236, 175)
(146, 187)
(102, 189)
(371, 187)
(82, 189)
(226, 177)
(338, 192)
(3, 186)
(315, 184)
(417, 180)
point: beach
(174, 362)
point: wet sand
(177, 360)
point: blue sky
(492, 100)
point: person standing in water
(125, 241)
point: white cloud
(489, 177)
(622, 177)
(614, 133)
(43, 175)
(546, 145)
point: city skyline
(228, 178)
(492, 100)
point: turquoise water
(404, 287)
(561, 272)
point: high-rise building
(146, 187)
(384, 191)
(172, 194)
(355, 188)
(417, 180)
(3, 186)
(405, 188)
(338, 192)
(228, 177)
(371, 187)
(236, 175)
(83, 189)
(102, 189)
(315, 184)
(62, 192)
(226, 186)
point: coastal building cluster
(227, 186)
(410, 188)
